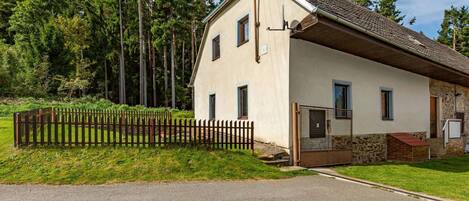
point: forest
(135, 52)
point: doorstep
(332, 173)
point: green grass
(447, 178)
(116, 165)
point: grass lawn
(447, 178)
(115, 165)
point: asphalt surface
(301, 188)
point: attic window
(415, 41)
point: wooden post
(17, 136)
(295, 133)
(252, 137)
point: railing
(80, 128)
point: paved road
(298, 189)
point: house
(328, 79)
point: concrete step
(279, 163)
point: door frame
(438, 118)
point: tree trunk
(183, 63)
(143, 95)
(106, 91)
(454, 37)
(173, 68)
(122, 95)
(165, 75)
(193, 44)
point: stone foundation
(371, 148)
(455, 147)
(365, 148)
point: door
(433, 117)
(317, 124)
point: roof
(409, 139)
(394, 33)
(375, 26)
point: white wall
(268, 90)
(314, 67)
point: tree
(142, 74)
(388, 9)
(122, 94)
(6, 10)
(454, 30)
(365, 3)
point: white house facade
(367, 85)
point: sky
(429, 13)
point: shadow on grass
(453, 164)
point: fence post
(252, 137)
(16, 129)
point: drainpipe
(257, 24)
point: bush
(9, 106)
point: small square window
(243, 31)
(386, 105)
(216, 48)
(243, 102)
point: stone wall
(365, 148)
(371, 148)
(455, 147)
(420, 135)
(454, 99)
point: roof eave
(315, 10)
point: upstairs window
(243, 102)
(216, 48)
(342, 101)
(212, 106)
(243, 30)
(386, 105)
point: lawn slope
(116, 165)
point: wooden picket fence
(80, 128)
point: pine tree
(388, 9)
(6, 10)
(365, 3)
(122, 94)
(454, 30)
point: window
(243, 30)
(216, 48)
(342, 101)
(243, 102)
(386, 105)
(211, 113)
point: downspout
(257, 24)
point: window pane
(243, 30)
(216, 48)
(341, 100)
(243, 102)
(212, 106)
(386, 105)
